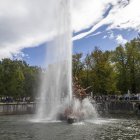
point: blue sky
(36, 55)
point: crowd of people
(126, 97)
(97, 98)
(9, 99)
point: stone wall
(111, 107)
(120, 107)
(16, 108)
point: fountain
(55, 92)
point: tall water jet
(56, 81)
(55, 92)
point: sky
(26, 26)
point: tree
(103, 73)
(127, 63)
(133, 57)
(121, 65)
(77, 64)
(17, 79)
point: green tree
(133, 57)
(103, 73)
(77, 64)
(127, 63)
(17, 79)
(121, 67)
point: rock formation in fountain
(55, 92)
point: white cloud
(26, 23)
(105, 36)
(81, 36)
(93, 34)
(111, 36)
(124, 14)
(121, 40)
(126, 17)
(20, 56)
(118, 38)
(86, 13)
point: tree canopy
(17, 78)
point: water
(84, 108)
(118, 128)
(55, 90)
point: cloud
(20, 56)
(86, 13)
(120, 14)
(28, 23)
(118, 38)
(81, 35)
(111, 35)
(93, 34)
(105, 36)
(121, 40)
